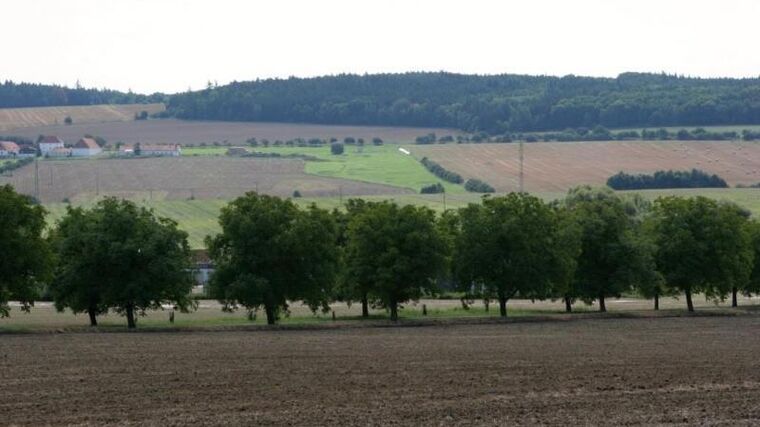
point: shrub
(478, 186)
(666, 179)
(441, 172)
(336, 148)
(432, 188)
(296, 194)
(377, 141)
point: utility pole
(444, 200)
(97, 181)
(340, 194)
(36, 179)
(522, 176)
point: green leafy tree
(118, 256)
(507, 246)
(612, 260)
(752, 287)
(351, 286)
(702, 246)
(396, 251)
(270, 252)
(26, 260)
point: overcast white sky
(170, 45)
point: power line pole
(36, 179)
(522, 176)
(444, 200)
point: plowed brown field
(682, 371)
(180, 178)
(196, 132)
(558, 166)
(14, 118)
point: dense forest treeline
(495, 103)
(16, 95)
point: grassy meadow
(383, 164)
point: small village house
(49, 143)
(86, 147)
(202, 270)
(9, 149)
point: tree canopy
(397, 252)
(26, 261)
(702, 246)
(507, 246)
(270, 252)
(118, 256)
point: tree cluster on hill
(694, 178)
(496, 103)
(477, 186)
(432, 189)
(590, 246)
(442, 172)
(15, 95)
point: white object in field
(404, 150)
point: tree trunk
(271, 314)
(394, 310)
(93, 318)
(131, 317)
(656, 301)
(689, 303)
(568, 304)
(602, 305)
(503, 306)
(734, 302)
(365, 306)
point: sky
(172, 45)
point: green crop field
(199, 217)
(383, 164)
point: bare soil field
(681, 371)
(558, 166)
(15, 118)
(197, 132)
(180, 178)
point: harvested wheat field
(180, 178)
(197, 132)
(683, 371)
(557, 166)
(14, 118)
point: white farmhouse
(86, 147)
(49, 143)
(9, 149)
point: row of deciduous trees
(590, 246)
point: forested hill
(15, 95)
(494, 104)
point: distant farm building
(49, 143)
(27, 151)
(86, 147)
(163, 150)
(9, 149)
(58, 152)
(237, 151)
(202, 270)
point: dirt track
(632, 371)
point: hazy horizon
(173, 45)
